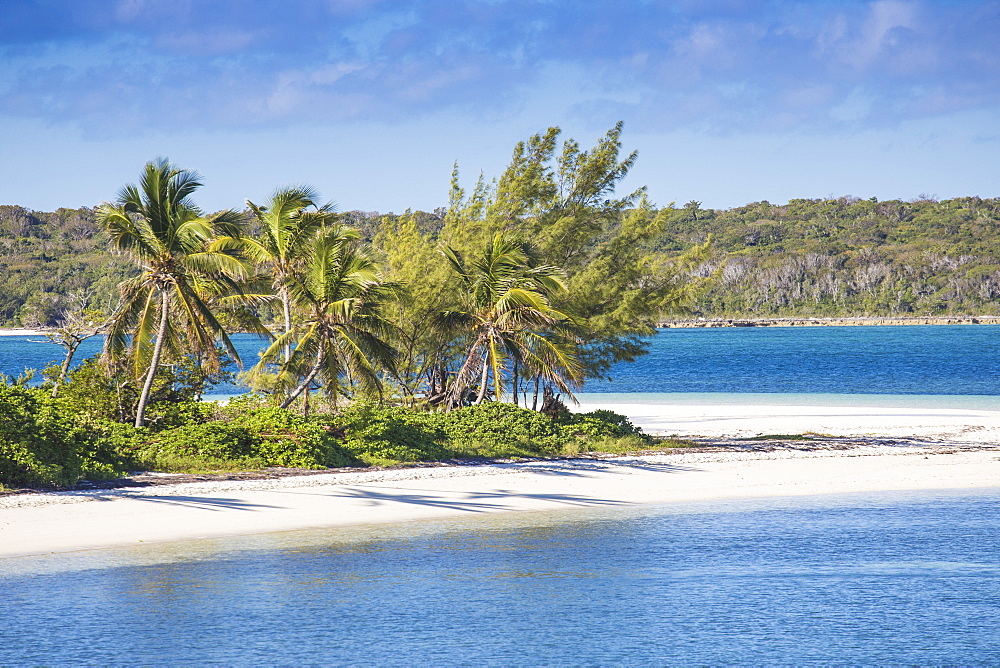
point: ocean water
(896, 360)
(933, 361)
(873, 579)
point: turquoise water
(875, 579)
(983, 402)
(928, 361)
(901, 360)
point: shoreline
(61, 522)
(784, 321)
(959, 426)
(844, 321)
(18, 331)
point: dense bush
(41, 445)
(57, 442)
(287, 439)
(386, 435)
(214, 445)
(501, 430)
(97, 393)
(600, 423)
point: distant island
(810, 258)
(828, 322)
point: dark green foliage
(501, 430)
(41, 445)
(93, 391)
(248, 437)
(215, 445)
(283, 438)
(601, 423)
(385, 435)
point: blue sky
(372, 101)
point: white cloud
(878, 31)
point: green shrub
(111, 448)
(501, 430)
(387, 435)
(287, 439)
(94, 392)
(38, 444)
(600, 423)
(210, 446)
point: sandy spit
(69, 521)
(5, 331)
(956, 426)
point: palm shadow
(204, 503)
(585, 467)
(472, 502)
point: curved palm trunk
(309, 379)
(457, 389)
(484, 380)
(513, 380)
(286, 305)
(140, 411)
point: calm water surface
(874, 579)
(941, 360)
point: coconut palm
(508, 319)
(183, 255)
(288, 226)
(341, 333)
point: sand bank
(20, 332)
(957, 426)
(43, 523)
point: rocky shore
(830, 322)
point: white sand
(934, 425)
(20, 332)
(43, 523)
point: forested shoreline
(412, 342)
(421, 336)
(841, 257)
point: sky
(373, 101)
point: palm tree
(287, 230)
(508, 317)
(183, 255)
(342, 334)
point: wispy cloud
(726, 66)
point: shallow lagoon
(891, 578)
(931, 360)
(855, 579)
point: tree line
(530, 284)
(831, 256)
(846, 257)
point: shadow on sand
(585, 467)
(504, 499)
(200, 502)
(473, 502)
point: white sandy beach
(69, 521)
(900, 449)
(932, 425)
(20, 332)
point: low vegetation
(397, 339)
(57, 442)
